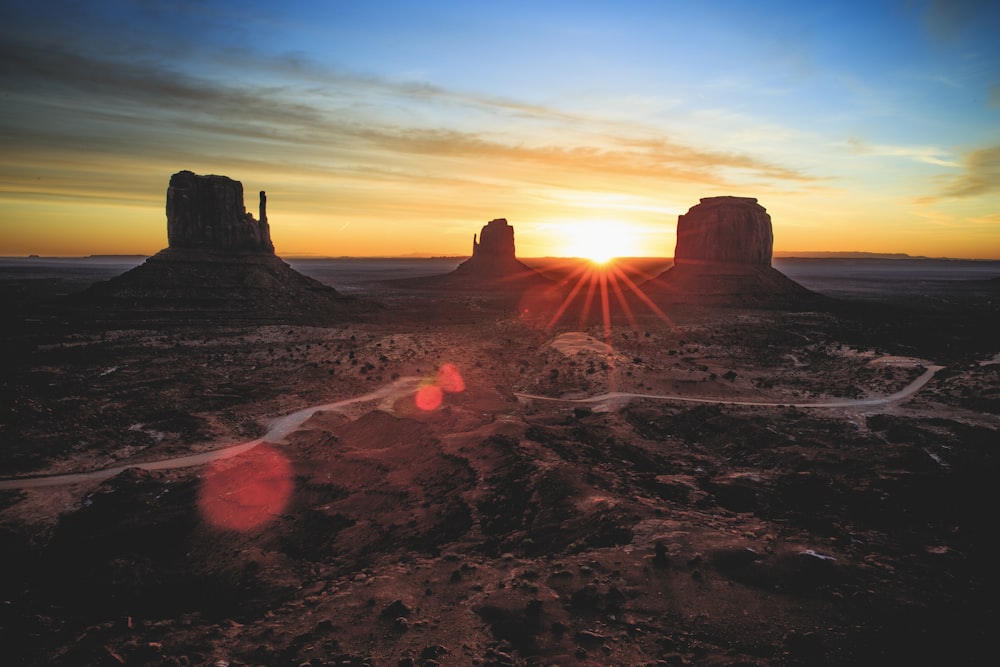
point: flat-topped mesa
(727, 231)
(207, 212)
(723, 257)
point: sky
(395, 128)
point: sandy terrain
(418, 498)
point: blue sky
(392, 127)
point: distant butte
(219, 266)
(723, 255)
(493, 264)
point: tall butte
(493, 264)
(207, 212)
(219, 266)
(723, 255)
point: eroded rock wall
(725, 230)
(207, 212)
(496, 240)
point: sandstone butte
(219, 265)
(207, 212)
(492, 266)
(723, 255)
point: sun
(600, 241)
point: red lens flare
(246, 491)
(450, 380)
(429, 397)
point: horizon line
(780, 254)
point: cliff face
(208, 212)
(493, 265)
(493, 262)
(220, 266)
(723, 257)
(725, 230)
(496, 241)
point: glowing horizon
(388, 129)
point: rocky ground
(455, 522)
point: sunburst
(589, 287)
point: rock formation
(493, 264)
(496, 242)
(220, 266)
(725, 230)
(208, 212)
(723, 255)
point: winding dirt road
(616, 398)
(282, 426)
(279, 428)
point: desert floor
(456, 478)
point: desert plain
(462, 477)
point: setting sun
(601, 241)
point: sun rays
(611, 293)
(606, 287)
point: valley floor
(439, 509)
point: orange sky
(377, 129)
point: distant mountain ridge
(847, 254)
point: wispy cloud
(309, 116)
(926, 154)
(980, 175)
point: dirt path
(616, 398)
(280, 428)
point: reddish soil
(490, 530)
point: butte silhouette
(723, 257)
(219, 265)
(493, 265)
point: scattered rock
(589, 638)
(395, 609)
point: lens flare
(429, 397)
(246, 491)
(450, 380)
